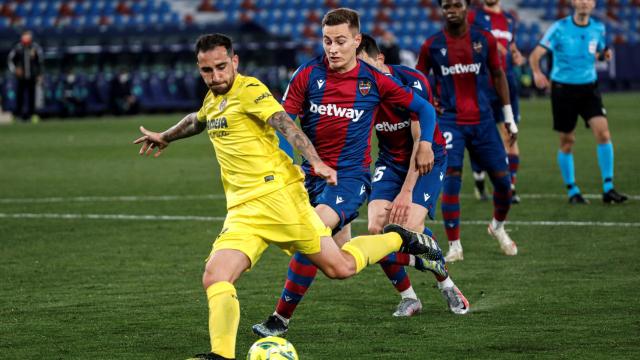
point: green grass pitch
(89, 268)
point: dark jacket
(28, 58)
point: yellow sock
(224, 317)
(370, 249)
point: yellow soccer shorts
(284, 218)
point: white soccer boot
(507, 245)
(458, 304)
(455, 252)
(408, 307)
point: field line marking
(134, 198)
(221, 218)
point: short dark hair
(342, 16)
(211, 41)
(369, 46)
(466, 2)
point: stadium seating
(410, 20)
(150, 27)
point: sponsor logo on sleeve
(262, 97)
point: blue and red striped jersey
(392, 124)
(462, 70)
(336, 110)
(502, 26)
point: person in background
(502, 25)
(389, 47)
(576, 42)
(123, 100)
(26, 63)
(464, 59)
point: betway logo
(500, 34)
(460, 69)
(335, 110)
(385, 126)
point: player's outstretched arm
(186, 127)
(283, 123)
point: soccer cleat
(506, 244)
(437, 267)
(515, 199)
(479, 191)
(612, 196)
(408, 307)
(273, 326)
(578, 199)
(208, 356)
(416, 243)
(458, 304)
(455, 252)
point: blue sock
(605, 160)
(565, 161)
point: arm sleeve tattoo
(283, 123)
(188, 126)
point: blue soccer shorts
(345, 198)
(388, 179)
(483, 142)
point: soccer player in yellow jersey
(266, 200)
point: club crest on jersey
(223, 104)
(364, 86)
(477, 46)
(443, 51)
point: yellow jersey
(246, 146)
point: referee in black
(576, 41)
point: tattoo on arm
(283, 123)
(188, 126)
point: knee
(453, 173)
(211, 277)
(501, 180)
(339, 272)
(603, 137)
(566, 143)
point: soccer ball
(272, 348)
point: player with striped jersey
(398, 193)
(502, 25)
(336, 96)
(464, 59)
